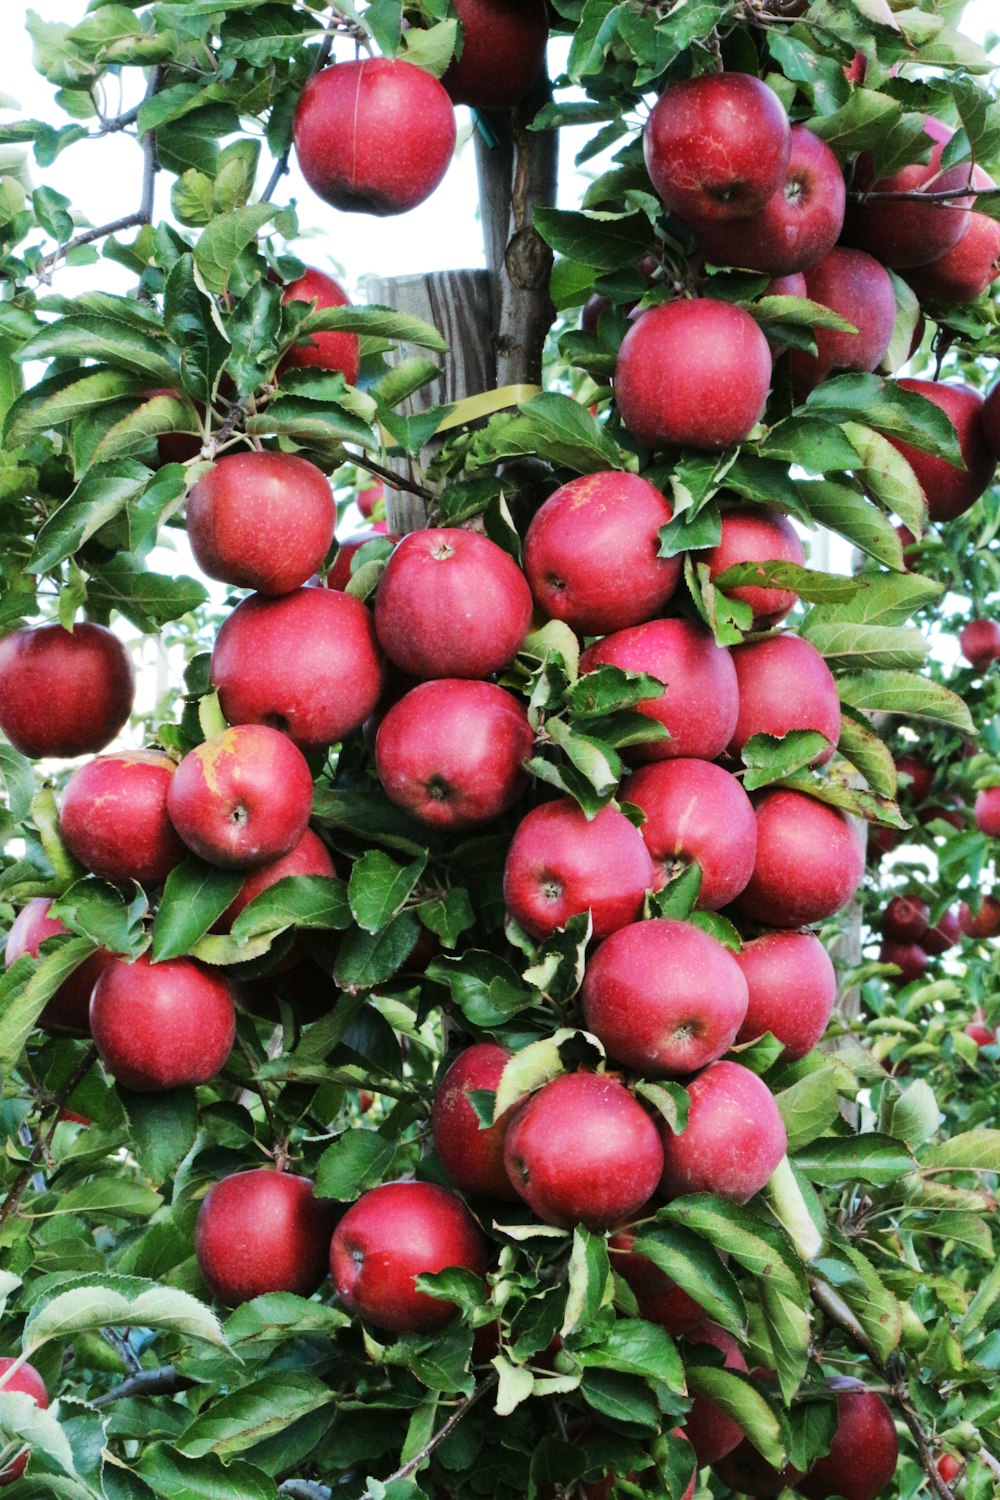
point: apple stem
(786, 1202)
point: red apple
(711, 1432)
(980, 643)
(938, 939)
(114, 817)
(792, 987)
(582, 1150)
(472, 1155)
(262, 1231)
(987, 812)
(323, 351)
(860, 289)
(660, 1299)
(757, 533)
(27, 1380)
(503, 48)
(919, 778)
(560, 864)
(908, 232)
(948, 810)
(865, 1450)
(905, 919)
(784, 685)
(985, 923)
(162, 1026)
(965, 271)
(591, 553)
(374, 136)
(310, 856)
(393, 1234)
(69, 1009)
(242, 798)
(949, 1467)
(717, 146)
(308, 664)
(950, 492)
(261, 521)
(991, 421)
(664, 997)
(810, 861)
(981, 1034)
(733, 1141)
(451, 603)
(909, 958)
(451, 751)
(696, 812)
(797, 226)
(367, 499)
(881, 841)
(700, 705)
(339, 575)
(693, 374)
(64, 692)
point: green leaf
(606, 242)
(103, 492)
(887, 477)
(760, 1248)
(809, 1106)
(973, 1150)
(769, 758)
(148, 600)
(23, 1421)
(560, 428)
(678, 897)
(812, 586)
(589, 1271)
(367, 959)
(868, 754)
(63, 397)
(891, 409)
(162, 1128)
(860, 124)
(871, 1301)
(431, 47)
(738, 1398)
(816, 446)
(102, 912)
(635, 1347)
(486, 989)
(176, 1477)
(221, 243)
(27, 986)
(106, 341)
(872, 1158)
(95, 1305)
(697, 1269)
(882, 599)
(905, 693)
(315, 902)
(357, 1160)
(912, 1115)
(850, 647)
(194, 897)
(789, 1331)
(257, 1411)
(845, 510)
(374, 321)
(379, 888)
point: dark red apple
(560, 864)
(262, 1231)
(69, 1009)
(696, 812)
(991, 421)
(810, 861)
(451, 751)
(471, 1154)
(784, 685)
(757, 533)
(323, 351)
(792, 987)
(865, 1450)
(339, 575)
(591, 553)
(985, 923)
(746, 1471)
(860, 289)
(393, 1234)
(242, 798)
(987, 812)
(660, 1299)
(664, 997)
(919, 777)
(308, 664)
(375, 135)
(261, 521)
(717, 146)
(503, 48)
(797, 226)
(310, 856)
(909, 958)
(64, 692)
(162, 1026)
(980, 643)
(582, 1150)
(938, 939)
(114, 817)
(733, 1141)
(177, 447)
(693, 374)
(451, 603)
(711, 1432)
(950, 809)
(905, 919)
(909, 232)
(950, 492)
(965, 271)
(27, 1380)
(367, 499)
(700, 705)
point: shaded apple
(733, 1141)
(374, 136)
(261, 521)
(983, 923)
(909, 232)
(915, 777)
(756, 533)
(591, 553)
(451, 752)
(69, 1008)
(693, 374)
(322, 351)
(909, 958)
(664, 997)
(965, 271)
(865, 1449)
(393, 1234)
(980, 643)
(746, 1471)
(263, 1231)
(310, 856)
(64, 692)
(162, 1026)
(987, 812)
(717, 146)
(242, 798)
(905, 919)
(792, 988)
(695, 812)
(471, 1154)
(784, 685)
(860, 289)
(582, 1150)
(560, 864)
(810, 861)
(27, 1380)
(950, 492)
(701, 701)
(503, 48)
(711, 1432)
(943, 935)
(114, 817)
(308, 664)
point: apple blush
(162, 1026)
(63, 692)
(470, 1154)
(262, 1231)
(114, 817)
(733, 1141)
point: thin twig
(945, 195)
(258, 1089)
(41, 1147)
(397, 481)
(123, 1349)
(166, 1381)
(986, 1457)
(319, 62)
(111, 124)
(461, 1410)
